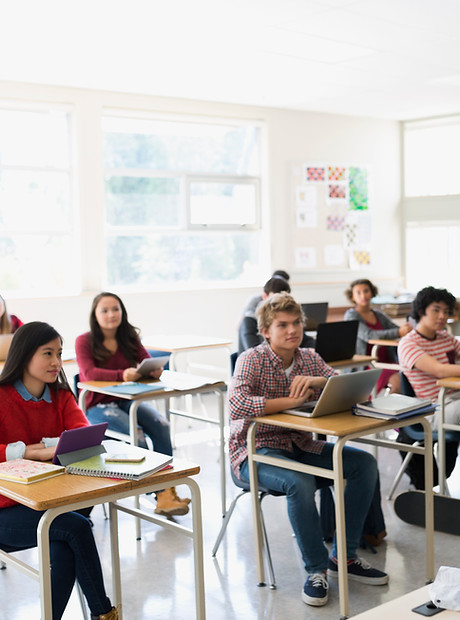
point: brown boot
(182, 500)
(110, 615)
(168, 504)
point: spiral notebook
(100, 466)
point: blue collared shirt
(26, 395)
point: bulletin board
(331, 216)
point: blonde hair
(279, 302)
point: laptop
(80, 442)
(315, 314)
(5, 342)
(336, 341)
(340, 393)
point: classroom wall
(291, 136)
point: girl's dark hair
(127, 335)
(26, 340)
(427, 296)
(349, 292)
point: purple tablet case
(80, 443)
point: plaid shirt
(260, 375)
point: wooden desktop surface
(356, 360)
(336, 424)
(71, 488)
(171, 344)
(385, 343)
(452, 383)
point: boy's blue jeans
(73, 554)
(360, 472)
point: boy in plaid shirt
(275, 376)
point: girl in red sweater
(36, 405)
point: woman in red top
(36, 405)
(110, 351)
(9, 323)
(374, 325)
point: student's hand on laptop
(38, 452)
(131, 374)
(304, 386)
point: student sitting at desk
(248, 333)
(374, 325)
(430, 353)
(36, 406)
(110, 352)
(254, 301)
(275, 376)
(9, 323)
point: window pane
(433, 265)
(432, 159)
(222, 203)
(34, 200)
(34, 138)
(37, 264)
(180, 258)
(188, 147)
(142, 201)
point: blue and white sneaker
(315, 590)
(359, 570)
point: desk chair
(245, 490)
(415, 432)
(6, 558)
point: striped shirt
(444, 348)
(259, 375)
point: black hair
(427, 296)
(349, 291)
(276, 284)
(127, 335)
(26, 340)
(279, 273)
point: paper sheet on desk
(183, 381)
(445, 589)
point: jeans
(73, 554)
(149, 419)
(360, 472)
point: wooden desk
(353, 362)
(70, 492)
(345, 427)
(449, 383)
(190, 385)
(401, 608)
(187, 344)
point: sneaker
(359, 570)
(315, 590)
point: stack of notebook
(394, 406)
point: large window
(182, 201)
(432, 157)
(37, 250)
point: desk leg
(133, 436)
(441, 443)
(255, 505)
(44, 563)
(340, 532)
(429, 513)
(197, 521)
(221, 406)
(115, 554)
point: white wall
(291, 136)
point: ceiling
(394, 59)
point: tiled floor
(157, 572)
